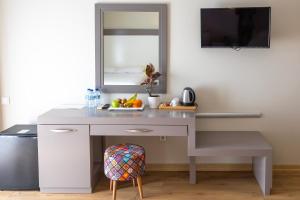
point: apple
(115, 104)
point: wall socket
(163, 138)
(5, 100)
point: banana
(129, 102)
(128, 105)
(131, 99)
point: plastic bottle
(92, 99)
(97, 97)
(89, 98)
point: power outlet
(163, 138)
(5, 100)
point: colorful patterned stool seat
(124, 162)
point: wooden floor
(174, 185)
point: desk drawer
(138, 130)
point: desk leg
(262, 168)
(193, 170)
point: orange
(137, 103)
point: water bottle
(89, 98)
(92, 99)
(97, 95)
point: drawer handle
(138, 130)
(63, 130)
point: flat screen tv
(236, 27)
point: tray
(183, 108)
(126, 109)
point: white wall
(48, 59)
(1, 19)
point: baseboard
(277, 169)
(200, 167)
(286, 169)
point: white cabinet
(64, 158)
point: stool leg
(140, 186)
(111, 185)
(114, 190)
(133, 182)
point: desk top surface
(93, 116)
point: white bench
(239, 143)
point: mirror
(122, 66)
(128, 37)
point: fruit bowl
(131, 104)
(127, 109)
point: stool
(124, 162)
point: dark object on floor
(19, 158)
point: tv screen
(235, 27)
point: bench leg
(262, 168)
(193, 170)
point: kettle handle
(193, 95)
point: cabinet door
(64, 156)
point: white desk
(66, 161)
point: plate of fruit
(131, 104)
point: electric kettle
(188, 97)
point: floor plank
(175, 186)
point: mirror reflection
(125, 58)
(131, 20)
(131, 41)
